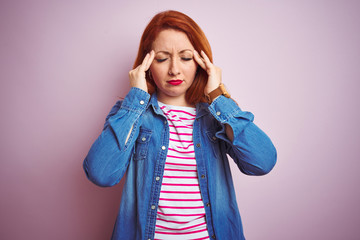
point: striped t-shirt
(181, 213)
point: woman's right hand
(137, 75)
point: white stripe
(180, 198)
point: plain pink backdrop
(294, 64)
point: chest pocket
(142, 144)
(214, 142)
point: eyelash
(161, 60)
(164, 59)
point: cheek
(157, 71)
(191, 70)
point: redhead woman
(171, 135)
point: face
(174, 67)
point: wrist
(218, 91)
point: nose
(174, 67)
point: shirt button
(153, 207)
(142, 102)
(203, 176)
(143, 139)
(214, 138)
(213, 236)
(157, 178)
(208, 204)
(165, 122)
(163, 147)
(218, 113)
(198, 145)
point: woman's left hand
(213, 71)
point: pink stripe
(186, 147)
(175, 140)
(177, 199)
(172, 233)
(180, 177)
(187, 134)
(180, 157)
(187, 126)
(203, 238)
(182, 215)
(181, 192)
(175, 120)
(180, 207)
(180, 229)
(186, 118)
(173, 110)
(167, 114)
(181, 151)
(180, 170)
(178, 222)
(178, 184)
(180, 164)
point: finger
(142, 65)
(150, 60)
(199, 60)
(206, 59)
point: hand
(213, 71)
(137, 75)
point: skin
(174, 60)
(173, 57)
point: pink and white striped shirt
(181, 213)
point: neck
(174, 101)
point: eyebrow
(168, 53)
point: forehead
(171, 40)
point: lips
(175, 82)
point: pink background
(294, 64)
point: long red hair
(178, 21)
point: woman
(171, 134)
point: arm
(110, 154)
(251, 149)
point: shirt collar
(201, 108)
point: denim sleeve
(110, 154)
(251, 149)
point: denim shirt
(135, 140)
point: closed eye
(186, 59)
(161, 60)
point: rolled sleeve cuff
(136, 100)
(225, 110)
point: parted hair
(178, 21)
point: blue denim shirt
(141, 154)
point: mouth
(175, 82)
